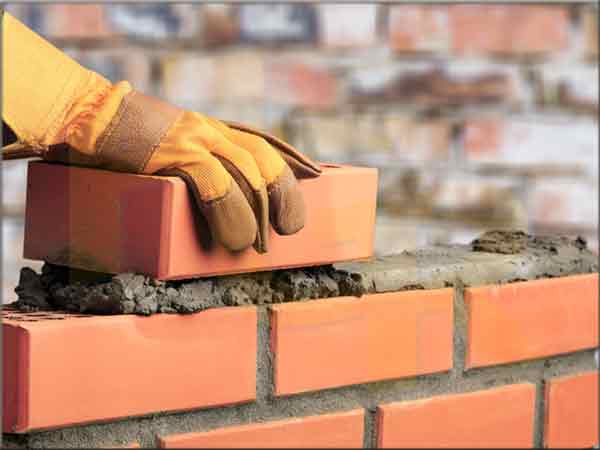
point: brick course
(194, 364)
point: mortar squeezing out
(114, 222)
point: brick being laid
(115, 222)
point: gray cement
(495, 257)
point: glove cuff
(90, 115)
(41, 85)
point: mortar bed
(496, 257)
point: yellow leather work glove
(239, 177)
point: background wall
(478, 116)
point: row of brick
(311, 79)
(491, 138)
(487, 200)
(502, 417)
(338, 342)
(316, 345)
(459, 29)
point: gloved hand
(239, 177)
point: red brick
(77, 21)
(534, 143)
(62, 370)
(89, 219)
(418, 28)
(572, 412)
(338, 430)
(534, 319)
(555, 204)
(590, 30)
(483, 137)
(294, 83)
(508, 29)
(336, 342)
(495, 418)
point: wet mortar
(494, 257)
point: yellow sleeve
(45, 91)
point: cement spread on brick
(494, 257)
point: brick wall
(480, 366)
(477, 116)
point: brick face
(527, 315)
(532, 143)
(337, 342)
(572, 411)
(300, 84)
(508, 29)
(556, 203)
(77, 21)
(65, 220)
(337, 430)
(418, 28)
(495, 418)
(124, 358)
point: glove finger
(286, 203)
(301, 165)
(230, 218)
(243, 169)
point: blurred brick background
(478, 116)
